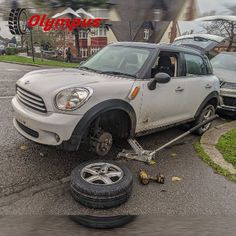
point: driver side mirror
(161, 78)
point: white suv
(125, 90)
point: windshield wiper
(89, 69)
(117, 73)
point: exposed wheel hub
(102, 143)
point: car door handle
(208, 86)
(179, 89)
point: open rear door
(202, 42)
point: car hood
(53, 79)
(225, 75)
(47, 83)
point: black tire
(209, 108)
(96, 222)
(101, 196)
(13, 21)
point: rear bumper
(48, 129)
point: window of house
(100, 13)
(84, 52)
(195, 65)
(157, 13)
(82, 34)
(146, 34)
(99, 32)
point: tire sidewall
(201, 117)
(79, 184)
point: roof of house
(134, 13)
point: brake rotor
(103, 143)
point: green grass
(218, 169)
(29, 61)
(227, 146)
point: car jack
(138, 153)
(148, 156)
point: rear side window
(195, 65)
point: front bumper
(49, 129)
(228, 100)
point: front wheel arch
(211, 99)
(96, 111)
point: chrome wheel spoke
(106, 180)
(90, 171)
(208, 114)
(114, 174)
(93, 178)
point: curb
(35, 65)
(209, 141)
(23, 64)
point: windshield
(224, 61)
(118, 60)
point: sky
(206, 5)
(218, 5)
(203, 6)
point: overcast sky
(203, 6)
(218, 5)
(206, 5)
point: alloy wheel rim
(102, 173)
(207, 115)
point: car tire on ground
(98, 222)
(205, 114)
(101, 184)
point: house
(149, 20)
(90, 40)
(189, 12)
(144, 21)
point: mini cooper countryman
(126, 90)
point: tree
(224, 28)
(75, 5)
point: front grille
(27, 130)
(228, 101)
(229, 85)
(31, 100)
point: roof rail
(192, 47)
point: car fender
(91, 115)
(211, 96)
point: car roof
(204, 36)
(162, 46)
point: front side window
(118, 59)
(195, 65)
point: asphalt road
(200, 192)
(142, 225)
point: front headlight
(72, 98)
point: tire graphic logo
(18, 24)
